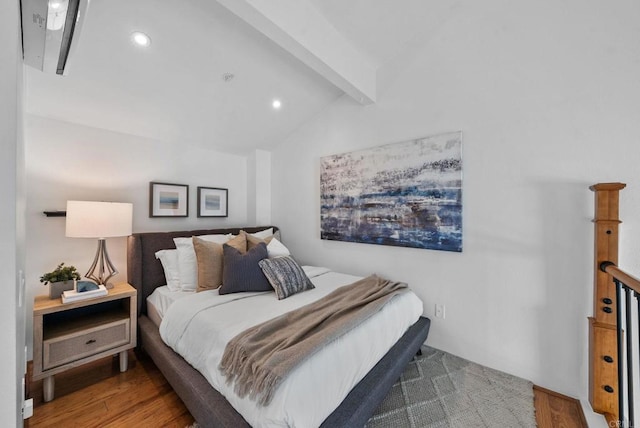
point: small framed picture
(213, 202)
(168, 200)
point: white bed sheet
(314, 389)
(159, 301)
(162, 297)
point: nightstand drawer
(75, 346)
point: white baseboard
(594, 420)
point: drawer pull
(89, 342)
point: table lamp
(89, 219)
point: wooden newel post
(603, 360)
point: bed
(208, 406)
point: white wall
(548, 98)
(259, 188)
(11, 228)
(263, 187)
(72, 162)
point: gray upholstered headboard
(145, 272)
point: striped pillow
(241, 271)
(285, 275)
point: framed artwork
(406, 194)
(168, 200)
(213, 202)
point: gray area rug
(438, 389)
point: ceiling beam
(297, 27)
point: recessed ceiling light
(140, 39)
(276, 104)
(55, 4)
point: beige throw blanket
(260, 358)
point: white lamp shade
(89, 219)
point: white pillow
(276, 248)
(263, 234)
(169, 261)
(187, 262)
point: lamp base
(102, 264)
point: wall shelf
(55, 213)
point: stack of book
(71, 296)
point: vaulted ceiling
(306, 53)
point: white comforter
(198, 327)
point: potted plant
(62, 278)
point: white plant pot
(56, 288)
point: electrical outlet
(439, 311)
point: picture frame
(168, 200)
(213, 202)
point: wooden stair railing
(614, 333)
(627, 314)
(603, 361)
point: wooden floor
(557, 410)
(98, 395)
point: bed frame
(205, 403)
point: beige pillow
(253, 242)
(210, 260)
(210, 263)
(239, 243)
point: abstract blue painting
(406, 194)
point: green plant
(61, 273)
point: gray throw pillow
(241, 271)
(286, 276)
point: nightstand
(69, 335)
